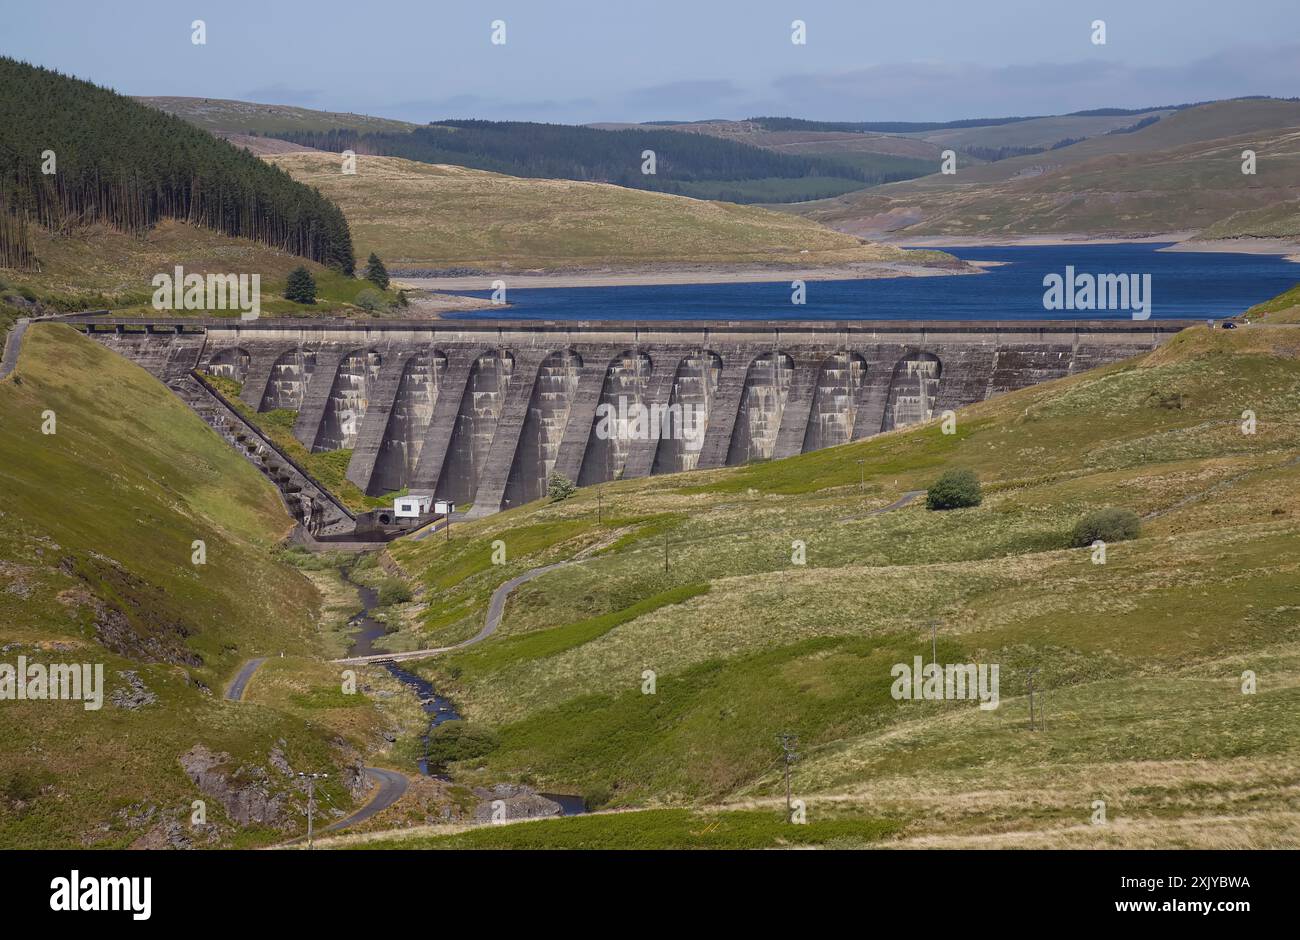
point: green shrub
(393, 592)
(1112, 524)
(596, 796)
(370, 300)
(955, 489)
(559, 487)
(459, 740)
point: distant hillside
(692, 165)
(881, 158)
(420, 215)
(222, 116)
(73, 154)
(1181, 174)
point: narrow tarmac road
(13, 345)
(391, 787)
(496, 607)
(235, 692)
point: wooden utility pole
(1031, 697)
(311, 789)
(787, 742)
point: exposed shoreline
(704, 274)
(1180, 241)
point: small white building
(444, 507)
(411, 507)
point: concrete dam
(483, 411)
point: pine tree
(127, 165)
(301, 287)
(375, 272)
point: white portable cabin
(411, 507)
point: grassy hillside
(1180, 174)
(1139, 660)
(96, 566)
(420, 215)
(98, 267)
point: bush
(393, 592)
(596, 796)
(1111, 524)
(370, 300)
(301, 287)
(559, 487)
(459, 740)
(955, 489)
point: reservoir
(1183, 284)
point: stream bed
(439, 708)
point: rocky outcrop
(245, 793)
(517, 802)
(136, 696)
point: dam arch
(232, 363)
(291, 375)
(913, 388)
(408, 421)
(762, 405)
(345, 409)
(694, 392)
(836, 393)
(475, 425)
(624, 391)
(540, 437)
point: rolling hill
(1139, 660)
(1182, 174)
(419, 215)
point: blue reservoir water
(1183, 284)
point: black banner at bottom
(145, 890)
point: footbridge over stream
(483, 411)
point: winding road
(391, 787)
(13, 344)
(496, 607)
(236, 691)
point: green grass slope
(96, 534)
(100, 268)
(1139, 660)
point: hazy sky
(637, 60)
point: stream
(439, 708)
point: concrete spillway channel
(481, 412)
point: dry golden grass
(424, 215)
